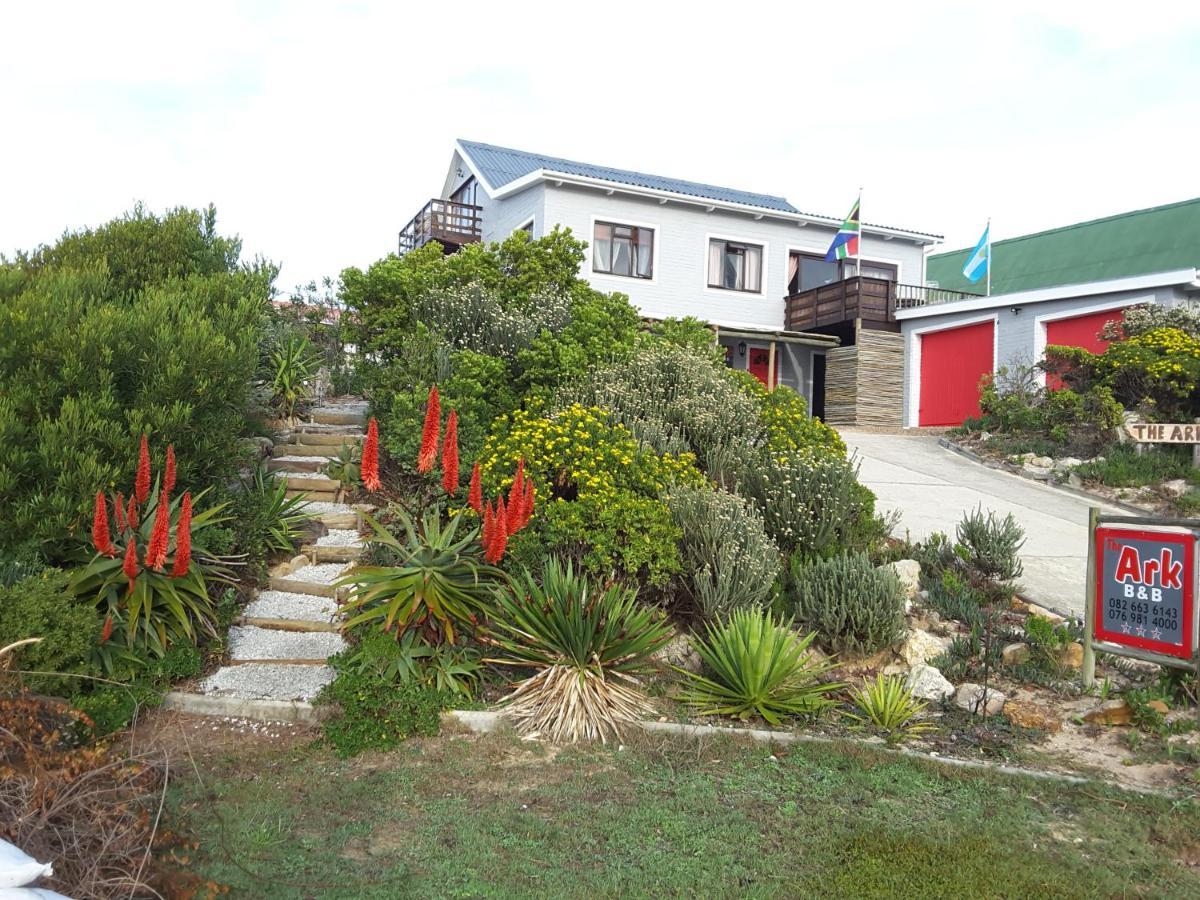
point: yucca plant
(587, 643)
(758, 666)
(295, 363)
(280, 518)
(888, 707)
(438, 585)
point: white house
(750, 264)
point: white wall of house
(1021, 321)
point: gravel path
(321, 573)
(251, 642)
(340, 537)
(266, 681)
(304, 459)
(315, 507)
(285, 605)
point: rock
(1074, 480)
(263, 444)
(897, 668)
(927, 683)
(908, 573)
(1015, 654)
(1067, 463)
(920, 647)
(1021, 458)
(1159, 706)
(923, 596)
(1175, 488)
(985, 436)
(970, 697)
(1027, 714)
(1042, 613)
(1039, 462)
(1071, 656)
(1114, 712)
(679, 652)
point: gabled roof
(1158, 239)
(500, 166)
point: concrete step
(283, 606)
(317, 451)
(268, 681)
(332, 417)
(297, 464)
(249, 643)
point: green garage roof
(1159, 239)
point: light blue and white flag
(981, 257)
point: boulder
(920, 647)
(678, 652)
(1114, 712)
(1027, 714)
(1071, 656)
(1175, 488)
(1040, 462)
(1015, 654)
(908, 573)
(1074, 480)
(971, 696)
(927, 683)
(1042, 613)
(1067, 463)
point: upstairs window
(734, 267)
(623, 250)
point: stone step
(318, 496)
(268, 681)
(326, 440)
(317, 428)
(283, 606)
(297, 464)
(333, 417)
(249, 643)
(315, 484)
(317, 451)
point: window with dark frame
(810, 270)
(623, 250)
(734, 266)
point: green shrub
(783, 415)
(265, 521)
(376, 714)
(851, 604)
(731, 562)
(43, 606)
(757, 666)
(112, 707)
(147, 324)
(449, 669)
(1123, 466)
(587, 644)
(811, 503)
(887, 707)
(992, 544)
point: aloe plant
(758, 666)
(887, 706)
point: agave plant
(887, 706)
(438, 585)
(758, 667)
(280, 518)
(588, 645)
(346, 467)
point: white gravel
(251, 642)
(324, 506)
(321, 573)
(285, 605)
(340, 537)
(304, 459)
(267, 681)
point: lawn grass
(495, 817)
(1124, 467)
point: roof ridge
(1075, 225)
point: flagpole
(989, 257)
(858, 255)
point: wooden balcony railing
(874, 300)
(450, 224)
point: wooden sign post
(1141, 592)
(1167, 433)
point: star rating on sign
(1156, 634)
(1125, 628)
(1141, 631)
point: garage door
(952, 362)
(1080, 331)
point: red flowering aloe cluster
(501, 519)
(370, 457)
(125, 519)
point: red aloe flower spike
(100, 536)
(515, 500)
(169, 473)
(142, 485)
(475, 491)
(429, 435)
(106, 631)
(119, 510)
(131, 513)
(183, 538)
(370, 457)
(499, 542)
(485, 534)
(130, 568)
(160, 534)
(450, 455)
(526, 504)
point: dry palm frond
(567, 705)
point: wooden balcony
(873, 300)
(451, 224)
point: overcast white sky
(319, 129)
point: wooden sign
(1156, 433)
(1145, 589)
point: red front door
(1080, 331)
(952, 362)
(760, 363)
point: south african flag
(845, 242)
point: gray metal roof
(500, 165)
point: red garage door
(1080, 331)
(952, 362)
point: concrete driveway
(932, 487)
